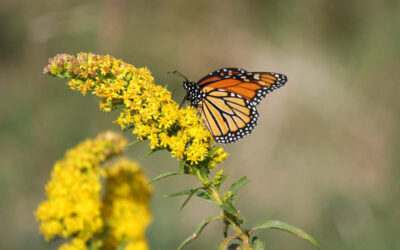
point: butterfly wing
(256, 85)
(231, 95)
(220, 74)
(253, 86)
(227, 115)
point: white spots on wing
(239, 134)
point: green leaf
(223, 178)
(133, 143)
(190, 193)
(257, 243)
(286, 227)
(228, 207)
(198, 230)
(148, 154)
(193, 191)
(237, 185)
(183, 192)
(164, 175)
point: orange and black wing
(220, 74)
(253, 86)
(227, 115)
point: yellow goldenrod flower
(80, 244)
(73, 207)
(126, 206)
(139, 244)
(75, 244)
(146, 106)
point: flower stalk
(229, 219)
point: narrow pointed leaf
(198, 230)
(164, 175)
(237, 185)
(133, 143)
(148, 154)
(286, 227)
(193, 191)
(183, 192)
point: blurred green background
(324, 157)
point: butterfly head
(194, 94)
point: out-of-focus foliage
(323, 157)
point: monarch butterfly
(226, 100)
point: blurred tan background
(324, 157)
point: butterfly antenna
(178, 74)
(184, 77)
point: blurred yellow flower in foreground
(125, 205)
(146, 107)
(74, 208)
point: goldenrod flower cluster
(126, 206)
(147, 107)
(74, 207)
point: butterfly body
(227, 99)
(194, 93)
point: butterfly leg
(182, 102)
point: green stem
(231, 219)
